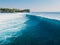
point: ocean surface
(36, 28)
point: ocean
(36, 28)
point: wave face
(28, 29)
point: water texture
(29, 29)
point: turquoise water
(30, 28)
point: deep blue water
(29, 29)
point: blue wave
(37, 31)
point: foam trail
(10, 24)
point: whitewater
(29, 29)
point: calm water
(30, 28)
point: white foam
(10, 24)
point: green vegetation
(7, 10)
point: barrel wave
(28, 29)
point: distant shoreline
(8, 10)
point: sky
(33, 5)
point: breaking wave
(28, 29)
